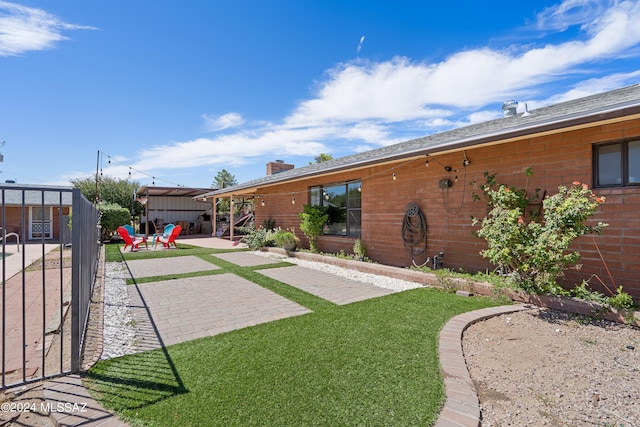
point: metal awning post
(231, 217)
(214, 214)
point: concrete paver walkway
(338, 290)
(246, 259)
(166, 266)
(196, 307)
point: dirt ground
(544, 367)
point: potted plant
(286, 239)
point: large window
(342, 203)
(617, 164)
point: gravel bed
(118, 329)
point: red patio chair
(130, 240)
(171, 239)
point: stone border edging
(462, 407)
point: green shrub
(112, 217)
(359, 249)
(312, 221)
(285, 238)
(533, 247)
(256, 238)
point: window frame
(624, 164)
(313, 193)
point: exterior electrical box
(445, 183)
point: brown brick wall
(554, 159)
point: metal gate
(47, 281)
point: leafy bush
(112, 217)
(256, 238)
(533, 247)
(284, 238)
(359, 249)
(312, 221)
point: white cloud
(224, 121)
(568, 13)
(399, 89)
(588, 87)
(23, 29)
(370, 104)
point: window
(617, 164)
(343, 206)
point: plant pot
(290, 246)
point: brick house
(43, 209)
(594, 140)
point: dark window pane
(335, 201)
(354, 195)
(634, 162)
(610, 164)
(315, 196)
(335, 196)
(355, 222)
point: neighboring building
(41, 208)
(594, 140)
(175, 205)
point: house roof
(33, 195)
(171, 191)
(612, 105)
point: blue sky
(174, 92)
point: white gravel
(118, 329)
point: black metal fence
(50, 248)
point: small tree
(112, 217)
(534, 248)
(312, 221)
(224, 179)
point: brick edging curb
(462, 407)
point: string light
(132, 169)
(262, 202)
(394, 175)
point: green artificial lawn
(373, 362)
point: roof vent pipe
(526, 110)
(509, 108)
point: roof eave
(612, 113)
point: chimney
(509, 108)
(277, 167)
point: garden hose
(414, 232)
